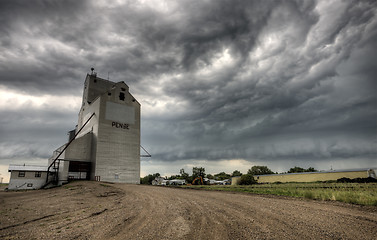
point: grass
(355, 193)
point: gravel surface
(93, 210)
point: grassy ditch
(356, 193)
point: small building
(235, 180)
(26, 177)
(316, 176)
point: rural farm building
(27, 177)
(311, 176)
(105, 145)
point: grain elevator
(105, 145)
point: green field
(356, 193)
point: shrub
(344, 180)
(309, 195)
(247, 179)
(357, 180)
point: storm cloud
(267, 82)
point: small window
(21, 174)
(29, 185)
(38, 174)
(109, 94)
(95, 80)
(121, 96)
(116, 176)
(123, 89)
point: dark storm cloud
(249, 80)
(302, 95)
(30, 133)
(36, 41)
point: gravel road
(92, 210)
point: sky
(224, 85)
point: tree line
(246, 179)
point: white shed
(26, 177)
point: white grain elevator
(105, 146)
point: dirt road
(92, 210)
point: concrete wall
(27, 182)
(94, 87)
(63, 166)
(56, 153)
(80, 148)
(310, 177)
(92, 127)
(63, 172)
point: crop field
(356, 193)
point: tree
(174, 177)
(198, 172)
(221, 176)
(259, 170)
(296, 170)
(247, 179)
(311, 169)
(300, 169)
(184, 175)
(210, 176)
(148, 179)
(236, 173)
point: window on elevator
(121, 96)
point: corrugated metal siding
(310, 177)
(236, 180)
